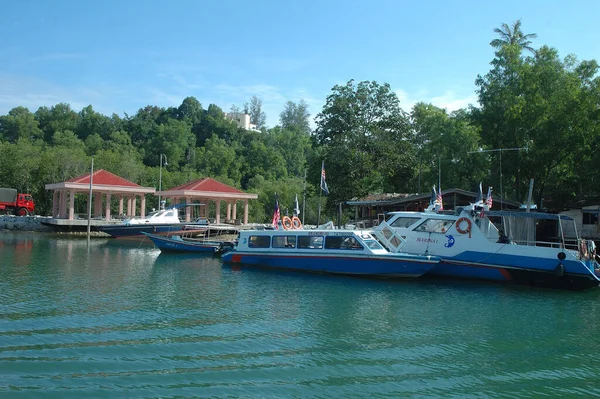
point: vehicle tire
(23, 212)
(559, 271)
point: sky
(120, 56)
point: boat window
(312, 242)
(259, 242)
(590, 217)
(435, 225)
(342, 243)
(404, 222)
(284, 241)
(169, 213)
(372, 244)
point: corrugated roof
(103, 177)
(207, 185)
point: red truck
(12, 202)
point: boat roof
(182, 205)
(528, 215)
(516, 214)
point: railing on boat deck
(569, 244)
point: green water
(115, 320)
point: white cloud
(450, 100)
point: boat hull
(380, 266)
(136, 231)
(171, 244)
(571, 275)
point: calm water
(116, 320)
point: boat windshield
(433, 225)
(404, 221)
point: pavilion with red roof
(104, 186)
(206, 190)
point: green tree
(363, 135)
(254, 109)
(19, 124)
(443, 142)
(546, 105)
(294, 145)
(92, 122)
(295, 116)
(58, 118)
(513, 35)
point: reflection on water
(120, 319)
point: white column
(246, 212)
(218, 210)
(228, 210)
(62, 212)
(133, 199)
(234, 210)
(188, 210)
(55, 204)
(143, 206)
(129, 207)
(107, 207)
(120, 205)
(97, 204)
(71, 205)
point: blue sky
(120, 56)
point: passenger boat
(180, 243)
(351, 252)
(470, 245)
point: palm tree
(510, 35)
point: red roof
(105, 178)
(207, 185)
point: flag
(276, 214)
(438, 199)
(296, 207)
(324, 187)
(488, 199)
(479, 198)
(433, 196)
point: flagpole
(440, 174)
(304, 198)
(319, 215)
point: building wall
(241, 119)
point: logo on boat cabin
(431, 240)
(450, 242)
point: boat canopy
(182, 205)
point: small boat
(163, 222)
(472, 243)
(177, 243)
(351, 252)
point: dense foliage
(531, 100)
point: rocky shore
(34, 224)
(23, 223)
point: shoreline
(34, 224)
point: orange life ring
(286, 223)
(461, 230)
(296, 223)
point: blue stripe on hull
(522, 270)
(337, 265)
(469, 271)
